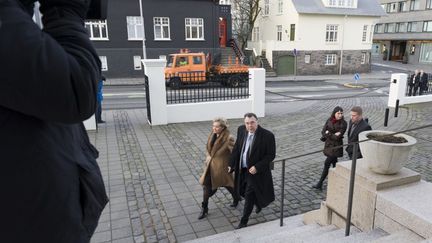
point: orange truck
(195, 68)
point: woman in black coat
(332, 134)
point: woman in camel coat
(219, 146)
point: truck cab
(185, 68)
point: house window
(330, 59)
(389, 28)
(371, 33)
(104, 63)
(279, 33)
(427, 26)
(307, 58)
(332, 3)
(331, 33)
(428, 4)
(194, 28)
(364, 58)
(161, 28)
(137, 62)
(364, 35)
(379, 28)
(415, 5)
(134, 27)
(292, 32)
(280, 6)
(414, 26)
(266, 7)
(97, 29)
(255, 34)
(392, 8)
(426, 53)
(341, 3)
(403, 6)
(401, 27)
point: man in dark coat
(51, 186)
(423, 82)
(356, 125)
(253, 152)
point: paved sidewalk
(151, 173)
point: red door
(222, 32)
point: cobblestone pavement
(151, 173)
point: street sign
(356, 77)
(295, 52)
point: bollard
(396, 109)
(386, 116)
(283, 193)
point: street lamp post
(143, 30)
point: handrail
(352, 177)
(239, 53)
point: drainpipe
(342, 45)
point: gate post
(257, 90)
(154, 69)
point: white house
(311, 37)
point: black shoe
(318, 186)
(204, 211)
(241, 225)
(234, 203)
(101, 121)
(258, 209)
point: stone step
(288, 235)
(333, 235)
(362, 236)
(409, 206)
(400, 237)
(249, 233)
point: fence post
(282, 194)
(396, 109)
(155, 72)
(351, 190)
(386, 116)
(257, 90)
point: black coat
(262, 153)
(424, 81)
(353, 137)
(331, 139)
(51, 186)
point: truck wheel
(234, 81)
(175, 83)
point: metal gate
(147, 94)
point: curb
(356, 86)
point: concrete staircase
(266, 65)
(226, 54)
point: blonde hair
(222, 121)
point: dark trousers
(331, 160)
(416, 88)
(249, 195)
(410, 90)
(209, 192)
(99, 111)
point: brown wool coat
(217, 160)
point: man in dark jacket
(253, 152)
(356, 125)
(51, 186)
(423, 77)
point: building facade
(169, 25)
(405, 34)
(312, 37)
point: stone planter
(385, 158)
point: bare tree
(245, 13)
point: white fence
(163, 113)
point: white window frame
(101, 25)
(364, 34)
(390, 28)
(104, 63)
(278, 32)
(414, 5)
(330, 59)
(364, 58)
(134, 28)
(162, 23)
(266, 7)
(255, 34)
(137, 62)
(190, 25)
(280, 6)
(427, 26)
(331, 33)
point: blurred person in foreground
(51, 186)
